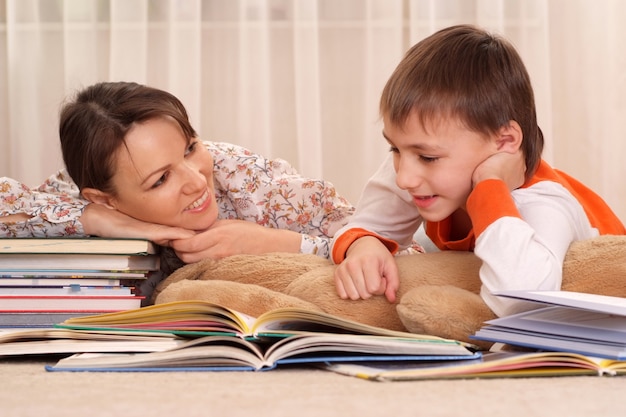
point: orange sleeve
(343, 242)
(489, 201)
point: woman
(136, 168)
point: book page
(316, 346)
(293, 321)
(593, 302)
(46, 341)
(494, 364)
(211, 352)
(196, 316)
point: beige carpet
(28, 390)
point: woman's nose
(194, 180)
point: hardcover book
(82, 262)
(72, 245)
(49, 303)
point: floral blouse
(247, 187)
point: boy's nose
(407, 177)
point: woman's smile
(200, 204)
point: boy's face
(161, 178)
(435, 164)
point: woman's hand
(230, 237)
(99, 220)
(13, 218)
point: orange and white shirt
(521, 236)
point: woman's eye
(160, 181)
(393, 149)
(191, 147)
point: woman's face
(160, 178)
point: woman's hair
(469, 74)
(93, 127)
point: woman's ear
(510, 137)
(98, 197)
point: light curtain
(300, 79)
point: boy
(459, 116)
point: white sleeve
(528, 253)
(385, 209)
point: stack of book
(563, 321)
(46, 281)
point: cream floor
(28, 390)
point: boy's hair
(466, 73)
(93, 127)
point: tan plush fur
(438, 291)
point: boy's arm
(522, 237)
(384, 211)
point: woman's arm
(232, 237)
(56, 209)
(271, 193)
(53, 209)
(99, 220)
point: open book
(233, 353)
(19, 342)
(189, 317)
(221, 338)
(490, 365)
(565, 321)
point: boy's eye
(393, 149)
(428, 159)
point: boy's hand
(369, 269)
(505, 166)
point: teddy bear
(438, 294)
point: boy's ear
(510, 137)
(98, 197)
